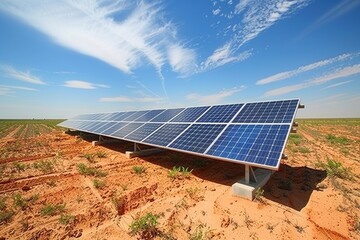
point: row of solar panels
(260, 112)
(253, 143)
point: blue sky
(63, 58)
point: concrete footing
(145, 152)
(97, 143)
(247, 190)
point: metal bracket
(136, 147)
(249, 174)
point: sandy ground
(299, 201)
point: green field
(26, 128)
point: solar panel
(247, 133)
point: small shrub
(5, 216)
(19, 201)
(335, 169)
(138, 169)
(185, 171)
(2, 204)
(145, 226)
(65, 219)
(51, 210)
(99, 183)
(337, 140)
(89, 171)
(200, 233)
(304, 150)
(19, 167)
(177, 172)
(295, 139)
(174, 172)
(101, 154)
(259, 194)
(44, 166)
(90, 157)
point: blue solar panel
(114, 116)
(222, 113)
(164, 135)
(124, 116)
(258, 144)
(121, 133)
(198, 137)
(149, 115)
(134, 116)
(167, 115)
(143, 131)
(104, 126)
(113, 128)
(268, 112)
(190, 114)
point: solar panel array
(247, 133)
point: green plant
(295, 139)
(5, 216)
(19, 201)
(335, 169)
(185, 171)
(248, 222)
(51, 210)
(299, 228)
(304, 150)
(177, 172)
(65, 219)
(90, 157)
(138, 169)
(89, 171)
(200, 233)
(259, 194)
(145, 226)
(44, 166)
(101, 154)
(2, 204)
(99, 183)
(174, 172)
(19, 167)
(194, 193)
(337, 140)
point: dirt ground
(58, 186)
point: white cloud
(128, 99)
(336, 84)
(182, 60)
(214, 98)
(340, 73)
(19, 88)
(123, 34)
(83, 84)
(302, 69)
(241, 6)
(216, 11)
(12, 73)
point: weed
(138, 169)
(44, 166)
(248, 222)
(5, 216)
(101, 154)
(2, 204)
(185, 172)
(65, 219)
(270, 227)
(89, 171)
(145, 226)
(32, 199)
(304, 150)
(337, 140)
(90, 157)
(200, 233)
(19, 167)
(52, 183)
(19, 201)
(345, 151)
(51, 210)
(194, 193)
(259, 194)
(177, 172)
(99, 183)
(295, 139)
(299, 228)
(335, 169)
(174, 172)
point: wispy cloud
(123, 34)
(214, 98)
(19, 88)
(340, 73)
(125, 99)
(83, 84)
(7, 90)
(336, 84)
(248, 20)
(182, 60)
(13, 73)
(302, 69)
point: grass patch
(179, 172)
(259, 195)
(101, 154)
(295, 139)
(99, 183)
(19, 167)
(337, 140)
(138, 169)
(65, 219)
(200, 233)
(51, 210)
(89, 171)
(335, 169)
(90, 157)
(145, 226)
(44, 166)
(2, 204)
(304, 150)
(5, 216)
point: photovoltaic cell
(126, 130)
(222, 113)
(115, 116)
(260, 144)
(190, 114)
(268, 112)
(143, 131)
(149, 115)
(114, 128)
(164, 135)
(134, 116)
(167, 115)
(104, 126)
(124, 116)
(198, 137)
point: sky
(59, 59)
